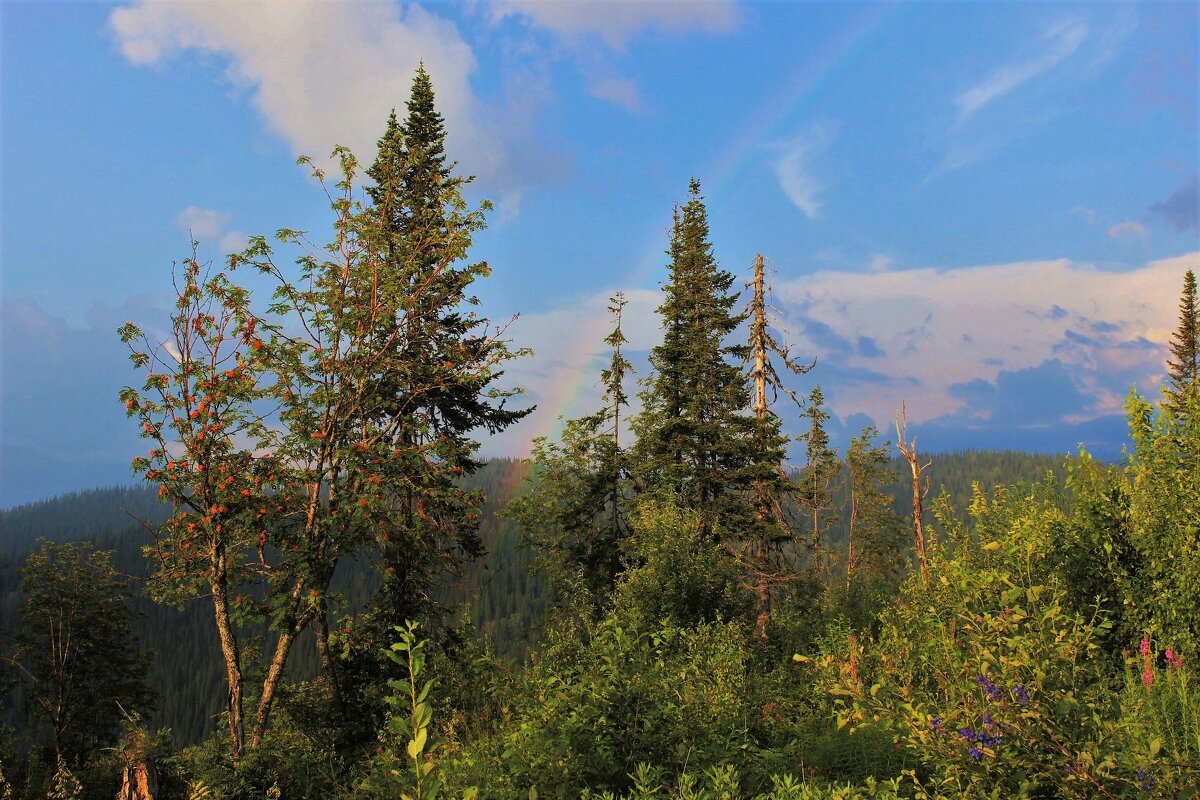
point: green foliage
(412, 774)
(693, 433)
(678, 573)
(1183, 368)
(1163, 476)
(589, 710)
(993, 682)
(574, 513)
(75, 654)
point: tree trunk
(909, 450)
(229, 651)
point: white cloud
(618, 91)
(1129, 229)
(794, 168)
(202, 223)
(946, 327)
(898, 336)
(1062, 40)
(616, 21)
(324, 73)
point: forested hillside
(506, 597)
(661, 604)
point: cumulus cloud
(1128, 229)
(324, 73)
(616, 21)
(963, 341)
(793, 168)
(1006, 348)
(1182, 209)
(1061, 41)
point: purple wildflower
(988, 686)
(1021, 694)
(975, 752)
(1145, 781)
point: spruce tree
(1183, 367)
(438, 389)
(574, 513)
(693, 434)
(875, 531)
(816, 481)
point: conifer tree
(693, 433)
(436, 390)
(574, 512)
(874, 528)
(1183, 367)
(821, 468)
(338, 421)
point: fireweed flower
(1147, 677)
(1145, 648)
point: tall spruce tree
(1183, 367)
(693, 434)
(438, 388)
(574, 513)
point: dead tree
(909, 450)
(769, 506)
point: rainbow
(802, 88)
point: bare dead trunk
(909, 450)
(850, 535)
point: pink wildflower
(1147, 677)
(1145, 649)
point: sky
(982, 211)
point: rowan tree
(336, 420)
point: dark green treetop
(1183, 367)
(694, 430)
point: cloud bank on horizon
(962, 348)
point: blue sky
(981, 210)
